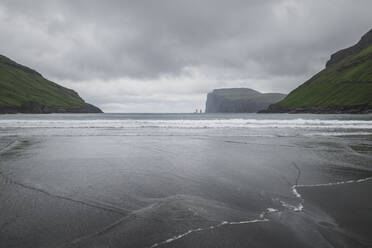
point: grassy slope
(347, 83)
(19, 84)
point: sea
(185, 180)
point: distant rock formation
(24, 90)
(239, 100)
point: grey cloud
(225, 41)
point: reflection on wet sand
(205, 189)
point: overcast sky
(165, 55)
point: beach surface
(241, 180)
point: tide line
(223, 223)
(262, 217)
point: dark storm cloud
(267, 45)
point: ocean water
(274, 125)
(184, 180)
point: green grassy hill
(345, 85)
(25, 90)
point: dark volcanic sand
(73, 189)
(350, 205)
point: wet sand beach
(177, 181)
(349, 205)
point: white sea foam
(189, 123)
(262, 216)
(223, 223)
(295, 192)
(297, 208)
(300, 205)
(334, 183)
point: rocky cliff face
(239, 100)
(24, 90)
(364, 43)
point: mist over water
(184, 180)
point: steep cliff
(239, 100)
(344, 86)
(24, 90)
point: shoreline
(356, 109)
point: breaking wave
(191, 124)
